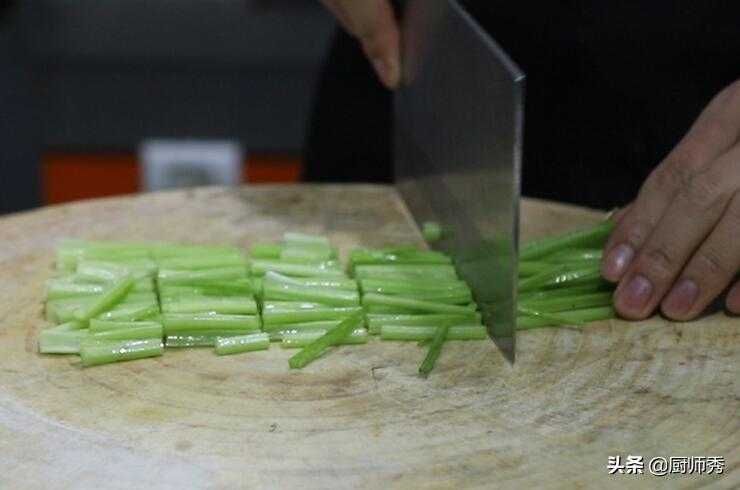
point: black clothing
(611, 87)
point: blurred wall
(106, 74)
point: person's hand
(678, 244)
(373, 23)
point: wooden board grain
(360, 417)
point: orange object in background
(73, 176)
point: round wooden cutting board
(360, 417)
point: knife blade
(458, 124)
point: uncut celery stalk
(106, 301)
(273, 290)
(435, 348)
(194, 277)
(95, 352)
(561, 275)
(371, 299)
(594, 236)
(585, 315)
(245, 305)
(292, 339)
(568, 291)
(321, 269)
(174, 323)
(62, 339)
(242, 343)
(420, 332)
(332, 337)
(575, 255)
(566, 303)
(273, 313)
(551, 318)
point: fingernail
(682, 297)
(617, 261)
(637, 293)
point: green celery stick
(316, 348)
(98, 326)
(176, 323)
(62, 339)
(527, 322)
(364, 256)
(204, 262)
(242, 343)
(313, 282)
(95, 352)
(273, 290)
(559, 276)
(318, 325)
(244, 305)
(566, 303)
(418, 332)
(200, 338)
(298, 339)
(96, 271)
(371, 299)
(531, 268)
(440, 335)
(430, 272)
(63, 288)
(234, 287)
(552, 318)
(319, 269)
(194, 277)
(131, 312)
(147, 331)
(105, 301)
(274, 314)
(375, 322)
(265, 251)
(568, 291)
(399, 286)
(575, 255)
(594, 236)
(307, 255)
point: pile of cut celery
(119, 301)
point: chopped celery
(429, 272)
(97, 325)
(95, 352)
(291, 339)
(556, 304)
(316, 348)
(105, 301)
(265, 251)
(431, 231)
(148, 330)
(274, 313)
(275, 290)
(242, 343)
(363, 256)
(131, 312)
(435, 348)
(175, 323)
(315, 282)
(194, 277)
(319, 269)
(371, 299)
(203, 262)
(245, 305)
(585, 315)
(63, 339)
(318, 325)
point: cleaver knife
(458, 127)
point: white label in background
(169, 164)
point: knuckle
(658, 263)
(711, 263)
(703, 191)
